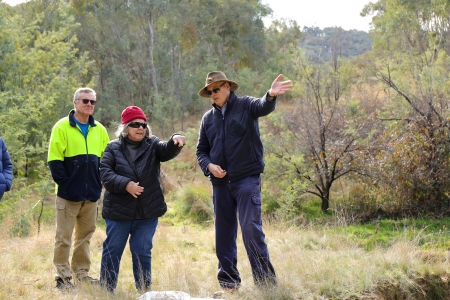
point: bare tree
(319, 126)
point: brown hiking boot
(87, 279)
(64, 284)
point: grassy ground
(311, 263)
(322, 257)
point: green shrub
(20, 226)
(193, 202)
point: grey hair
(122, 130)
(83, 90)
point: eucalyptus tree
(155, 53)
(232, 31)
(115, 39)
(43, 69)
(288, 34)
(417, 25)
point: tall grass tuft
(195, 202)
(311, 263)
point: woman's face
(136, 130)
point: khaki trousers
(70, 215)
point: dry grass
(310, 264)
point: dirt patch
(433, 287)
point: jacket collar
(229, 102)
(74, 124)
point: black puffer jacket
(117, 169)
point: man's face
(219, 92)
(85, 108)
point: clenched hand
(134, 189)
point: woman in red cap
(134, 200)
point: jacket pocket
(237, 125)
(256, 199)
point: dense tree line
(318, 43)
(369, 119)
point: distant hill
(319, 43)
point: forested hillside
(365, 129)
(318, 43)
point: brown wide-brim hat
(216, 76)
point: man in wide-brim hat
(230, 153)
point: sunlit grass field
(316, 256)
(312, 262)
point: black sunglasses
(214, 90)
(137, 125)
(86, 101)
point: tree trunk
(325, 201)
(151, 61)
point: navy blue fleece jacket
(233, 141)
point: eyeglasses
(137, 125)
(214, 90)
(86, 101)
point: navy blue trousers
(233, 202)
(141, 234)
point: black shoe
(64, 284)
(144, 290)
(107, 287)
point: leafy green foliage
(20, 227)
(42, 73)
(147, 55)
(282, 189)
(401, 25)
(426, 233)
